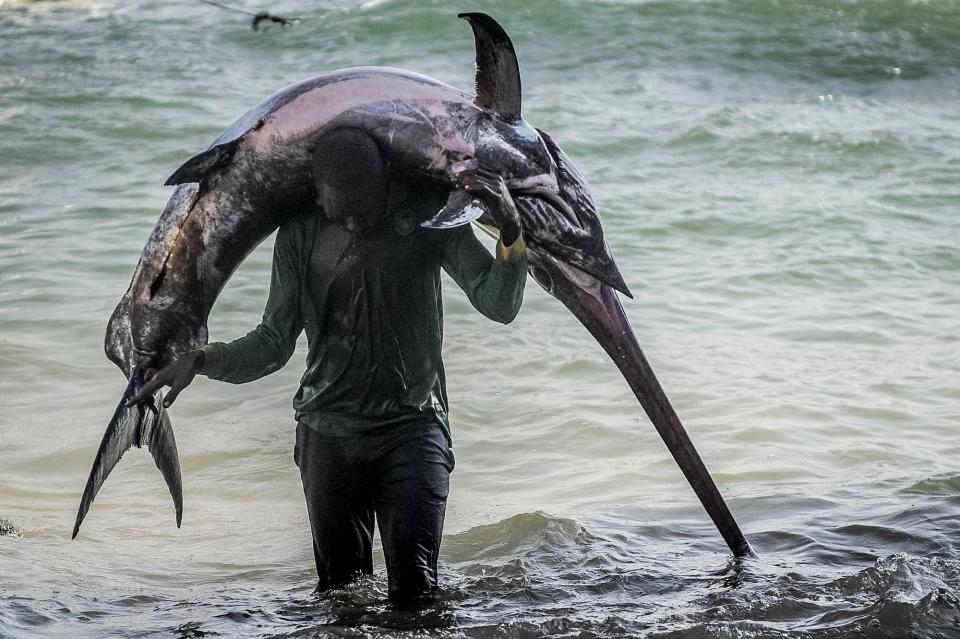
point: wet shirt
(371, 307)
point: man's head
(352, 186)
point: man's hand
(493, 190)
(177, 376)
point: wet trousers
(398, 475)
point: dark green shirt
(370, 304)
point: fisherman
(362, 277)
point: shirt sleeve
(269, 346)
(493, 286)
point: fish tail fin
(163, 447)
(135, 426)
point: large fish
(230, 197)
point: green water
(778, 182)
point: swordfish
(230, 197)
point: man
(362, 277)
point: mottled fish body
(258, 173)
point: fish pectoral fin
(498, 72)
(201, 166)
(461, 208)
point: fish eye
(543, 278)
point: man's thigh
(413, 471)
(339, 504)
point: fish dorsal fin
(498, 72)
(202, 165)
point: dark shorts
(398, 475)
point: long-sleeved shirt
(371, 307)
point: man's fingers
(482, 168)
(177, 385)
(488, 190)
(478, 174)
(147, 391)
(490, 185)
(484, 176)
(479, 189)
(490, 193)
(491, 175)
(172, 396)
(467, 178)
(465, 174)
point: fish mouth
(596, 305)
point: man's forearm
(494, 285)
(508, 274)
(256, 354)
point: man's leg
(339, 503)
(414, 468)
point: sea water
(778, 183)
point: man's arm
(493, 286)
(260, 352)
(269, 346)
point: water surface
(778, 182)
